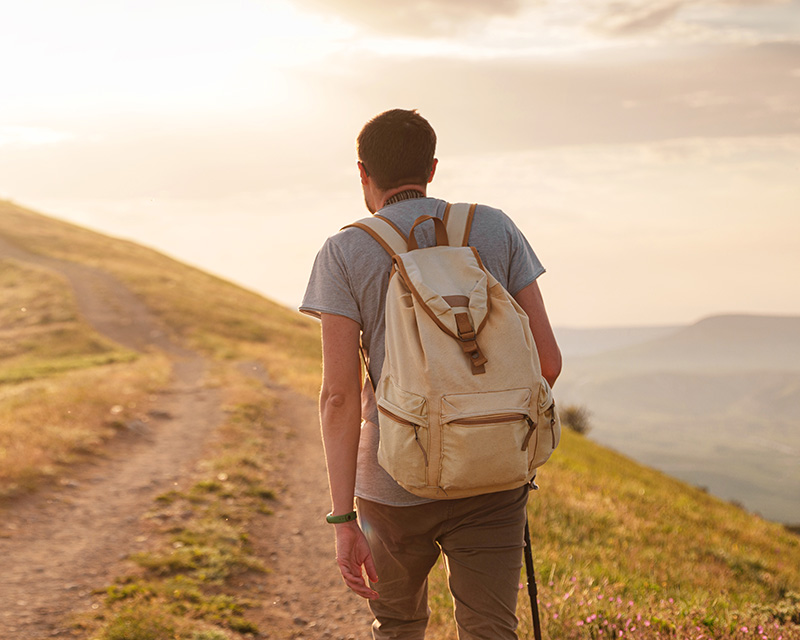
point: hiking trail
(61, 544)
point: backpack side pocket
(403, 445)
(547, 433)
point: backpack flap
(450, 285)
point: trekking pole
(531, 577)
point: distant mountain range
(715, 403)
(577, 343)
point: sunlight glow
(157, 56)
(586, 119)
(27, 136)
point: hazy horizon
(648, 149)
(716, 404)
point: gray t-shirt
(350, 278)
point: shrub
(576, 418)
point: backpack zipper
(503, 418)
(531, 429)
(499, 418)
(406, 423)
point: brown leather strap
(466, 335)
(464, 326)
(457, 301)
(393, 226)
(376, 236)
(385, 233)
(441, 232)
(446, 214)
(468, 227)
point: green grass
(617, 545)
(41, 331)
(182, 584)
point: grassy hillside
(613, 537)
(206, 312)
(620, 550)
(48, 350)
(65, 391)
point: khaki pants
(482, 541)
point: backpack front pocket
(484, 438)
(403, 446)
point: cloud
(624, 19)
(622, 95)
(419, 17)
(615, 19)
(613, 97)
(483, 106)
(634, 17)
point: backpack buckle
(466, 336)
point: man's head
(397, 148)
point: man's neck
(405, 192)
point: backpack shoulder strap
(384, 232)
(458, 220)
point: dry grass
(45, 342)
(212, 315)
(59, 379)
(49, 423)
(42, 332)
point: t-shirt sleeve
(524, 265)
(328, 289)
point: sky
(648, 149)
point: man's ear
(433, 170)
(362, 170)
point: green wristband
(347, 517)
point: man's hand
(352, 552)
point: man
(397, 536)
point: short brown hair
(397, 147)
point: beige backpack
(463, 407)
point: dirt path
(304, 596)
(57, 546)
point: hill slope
(617, 545)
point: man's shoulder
(489, 211)
(491, 221)
(346, 236)
(351, 244)
(352, 241)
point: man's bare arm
(340, 406)
(340, 416)
(531, 301)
